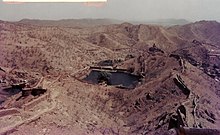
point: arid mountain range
(179, 67)
(96, 22)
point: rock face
(193, 131)
(179, 85)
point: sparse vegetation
(157, 54)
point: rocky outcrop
(192, 131)
(180, 83)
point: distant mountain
(164, 22)
(70, 22)
(97, 22)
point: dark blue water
(115, 78)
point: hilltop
(70, 22)
(179, 68)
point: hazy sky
(136, 10)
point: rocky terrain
(71, 22)
(179, 68)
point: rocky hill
(70, 22)
(179, 68)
